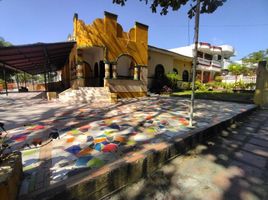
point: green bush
(218, 79)
(173, 80)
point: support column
(107, 74)
(80, 75)
(17, 81)
(114, 71)
(136, 72)
(33, 83)
(5, 78)
(107, 70)
(24, 79)
(45, 77)
(202, 76)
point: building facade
(123, 62)
(106, 56)
(211, 59)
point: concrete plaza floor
(92, 136)
(233, 166)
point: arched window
(96, 70)
(185, 76)
(175, 71)
(159, 71)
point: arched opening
(125, 67)
(159, 72)
(175, 71)
(96, 70)
(185, 76)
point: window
(159, 71)
(185, 76)
(175, 71)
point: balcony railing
(215, 63)
(203, 61)
(209, 63)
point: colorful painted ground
(92, 137)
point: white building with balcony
(210, 59)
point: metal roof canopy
(36, 58)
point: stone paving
(232, 166)
(90, 138)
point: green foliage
(218, 79)
(4, 43)
(200, 86)
(206, 6)
(236, 69)
(173, 80)
(256, 57)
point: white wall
(123, 65)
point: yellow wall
(108, 33)
(182, 65)
(69, 70)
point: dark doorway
(159, 71)
(185, 76)
(101, 74)
(96, 70)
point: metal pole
(24, 79)
(45, 76)
(195, 60)
(32, 82)
(5, 78)
(17, 81)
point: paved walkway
(233, 166)
(94, 137)
(18, 109)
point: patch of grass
(218, 95)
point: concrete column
(107, 70)
(79, 71)
(114, 71)
(136, 73)
(202, 76)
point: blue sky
(240, 23)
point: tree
(237, 69)
(254, 58)
(4, 43)
(207, 6)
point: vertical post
(114, 71)
(107, 70)
(17, 81)
(24, 79)
(32, 83)
(136, 73)
(195, 60)
(202, 76)
(5, 78)
(45, 77)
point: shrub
(3, 142)
(173, 80)
(218, 79)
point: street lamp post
(196, 33)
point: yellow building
(123, 62)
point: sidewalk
(231, 166)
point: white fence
(244, 79)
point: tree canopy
(206, 6)
(4, 43)
(254, 58)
